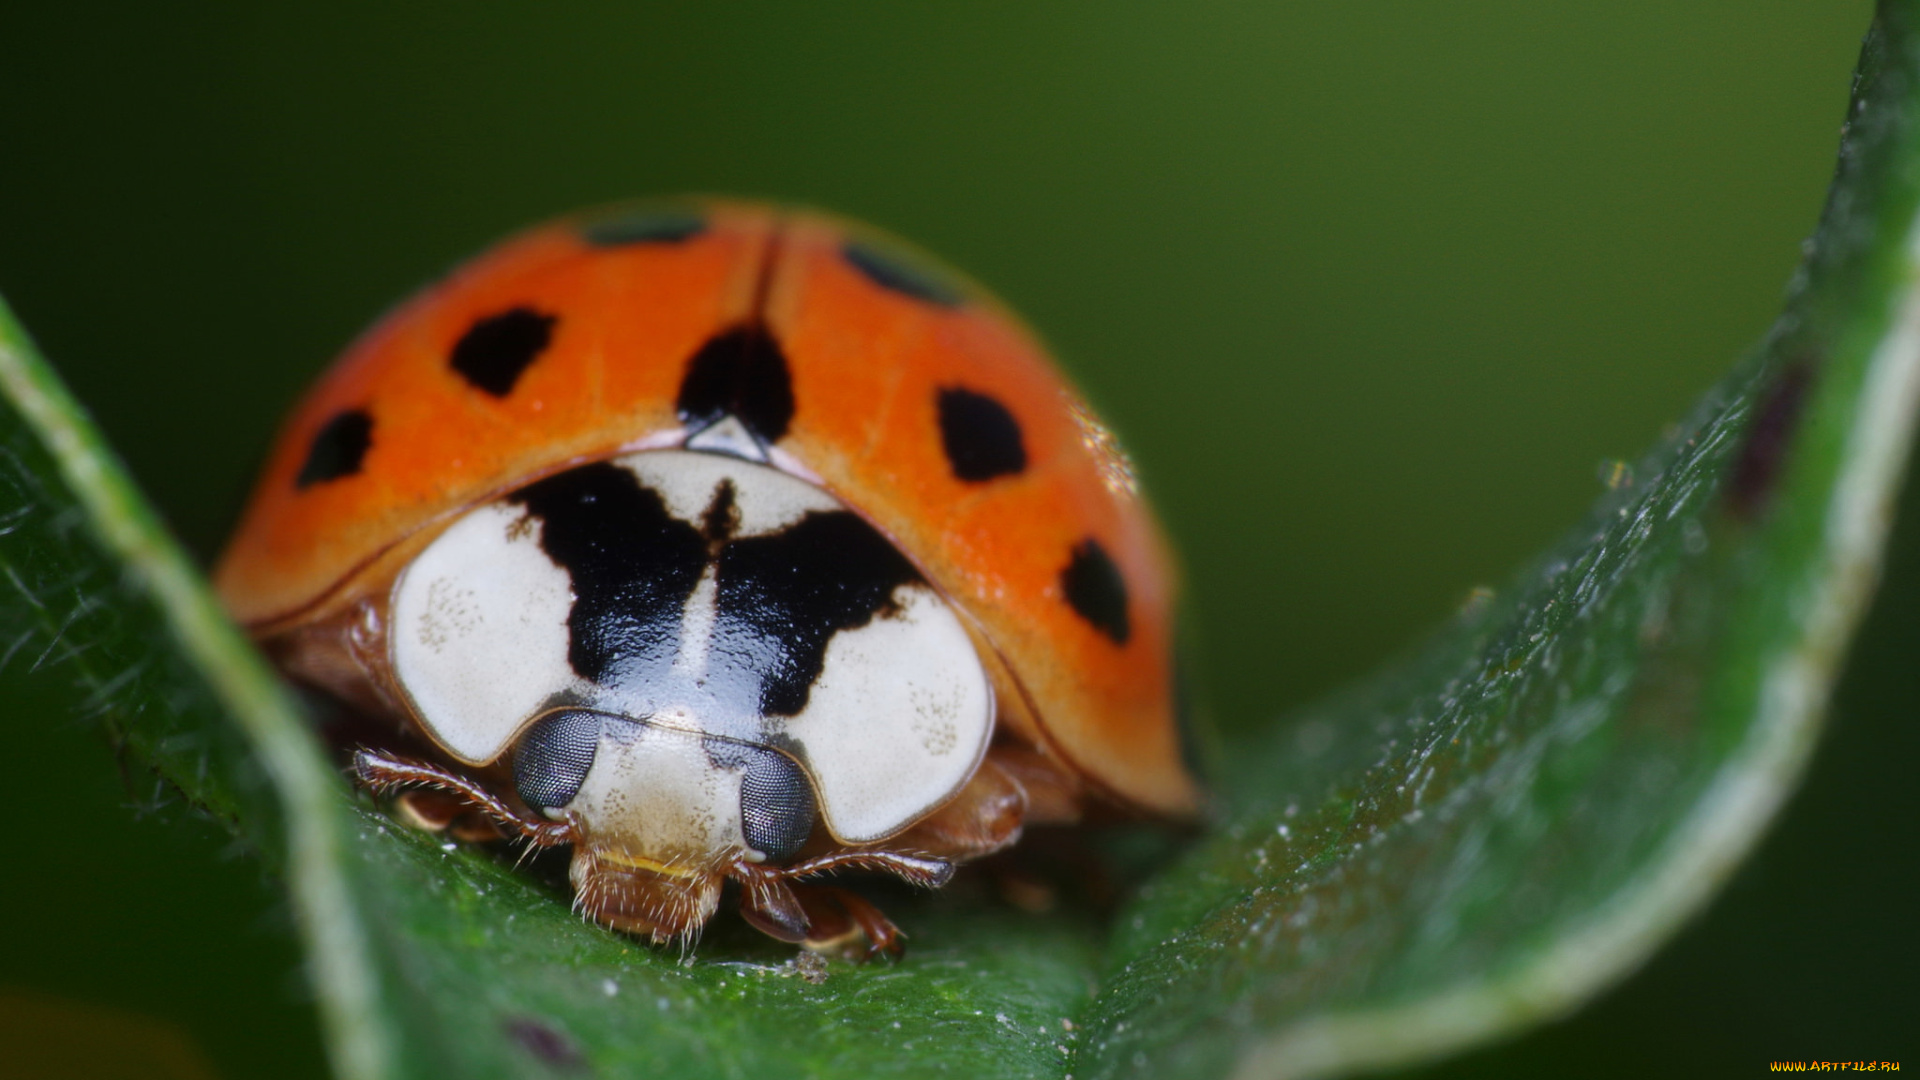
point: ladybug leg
(768, 903)
(985, 817)
(922, 870)
(825, 918)
(383, 774)
(430, 810)
(822, 917)
(1054, 794)
(839, 917)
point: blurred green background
(1370, 290)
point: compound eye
(551, 760)
(776, 805)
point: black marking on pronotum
(632, 564)
(776, 805)
(1769, 435)
(783, 596)
(495, 350)
(900, 273)
(1096, 591)
(552, 758)
(644, 225)
(337, 449)
(740, 372)
(721, 519)
(778, 599)
(981, 438)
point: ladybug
(721, 542)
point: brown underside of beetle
(341, 649)
(671, 903)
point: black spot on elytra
(1763, 454)
(776, 805)
(981, 438)
(1096, 591)
(552, 758)
(740, 372)
(337, 449)
(495, 350)
(633, 566)
(644, 225)
(784, 595)
(901, 273)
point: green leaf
(67, 603)
(1489, 833)
(92, 585)
(1482, 836)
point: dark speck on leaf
(1756, 471)
(544, 1041)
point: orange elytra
(721, 541)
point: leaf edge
(341, 969)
